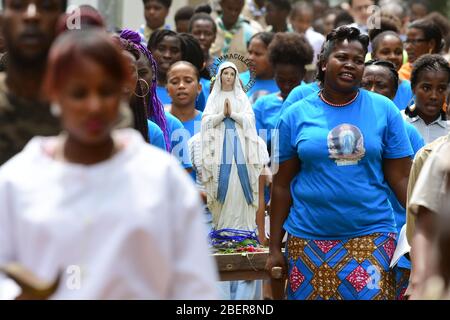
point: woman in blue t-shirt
(289, 53)
(381, 76)
(258, 50)
(147, 85)
(166, 47)
(184, 87)
(389, 46)
(340, 151)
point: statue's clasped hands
(227, 108)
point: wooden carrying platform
(244, 266)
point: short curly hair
(333, 38)
(290, 48)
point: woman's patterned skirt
(351, 269)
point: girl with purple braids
(172, 127)
(136, 92)
(155, 110)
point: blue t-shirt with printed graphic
(340, 191)
(260, 88)
(404, 95)
(267, 114)
(156, 135)
(300, 92)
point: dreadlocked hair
(137, 104)
(427, 62)
(155, 109)
(388, 65)
(333, 38)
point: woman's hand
(276, 260)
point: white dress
(130, 227)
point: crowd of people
(123, 151)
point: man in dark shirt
(29, 30)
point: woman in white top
(430, 78)
(118, 217)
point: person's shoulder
(440, 156)
(295, 110)
(24, 162)
(411, 130)
(424, 153)
(314, 36)
(267, 99)
(173, 121)
(153, 127)
(437, 143)
(406, 84)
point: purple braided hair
(155, 108)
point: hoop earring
(147, 91)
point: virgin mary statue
(232, 155)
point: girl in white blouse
(117, 216)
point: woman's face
(183, 85)
(378, 79)
(390, 48)
(203, 31)
(259, 56)
(417, 45)
(302, 20)
(344, 67)
(131, 61)
(228, 77)
(328, 24)
(166, 53)
(144, 69)
(155, 14)
(287, 77)
(431, 93)
(89, 102)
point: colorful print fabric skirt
(353, 269)
(402, 282)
